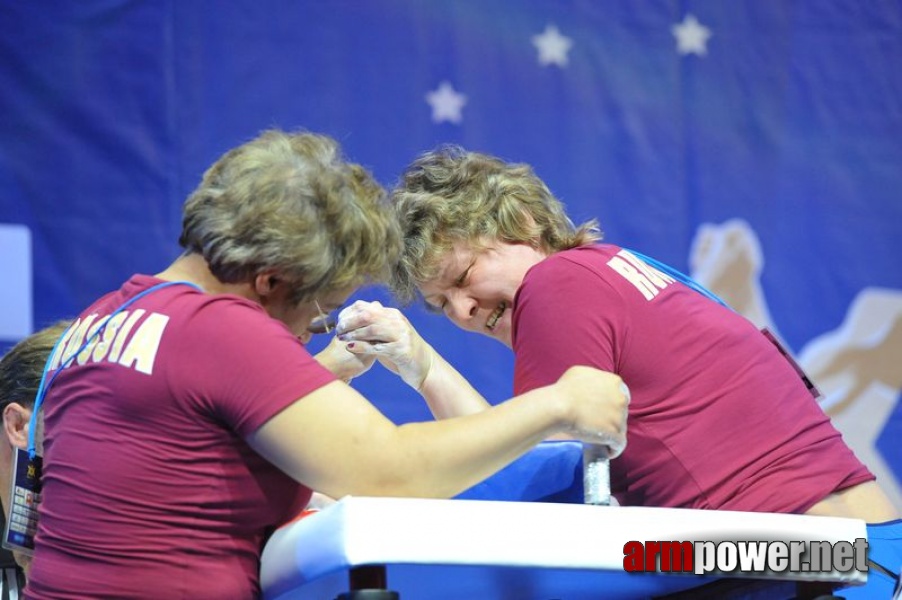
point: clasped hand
(370, 331)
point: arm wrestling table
(487, 550)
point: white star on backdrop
(446, 103)
(552, 46)
(691, 36)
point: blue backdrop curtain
(754, 143)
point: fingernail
(343, 337)
(351, 345)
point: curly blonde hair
(291, 203)
(449, 194)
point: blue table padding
(551, 472)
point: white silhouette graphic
(727, 260)
(855, 366)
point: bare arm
(374, 331)
(333, 440)
(447, 393)
(343, 364)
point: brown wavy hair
(449, 194)
(291, 203)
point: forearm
(335, 442)
(588, 404)
(444, 458)
(342, 363)
(337, 368)
(447, 393)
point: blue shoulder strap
(680, 276)
(45, 385)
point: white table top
(491, 549)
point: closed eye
(435, 309)
(460, 281)
(435, 303)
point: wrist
(341, 369)
(344, 372)
(429, 360)
(563, 411)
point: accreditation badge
(24, 497)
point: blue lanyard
(45, 385)
(681, 277)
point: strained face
(475, 287)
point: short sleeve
(240, 365)
(562, 318)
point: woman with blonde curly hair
(719, 419)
